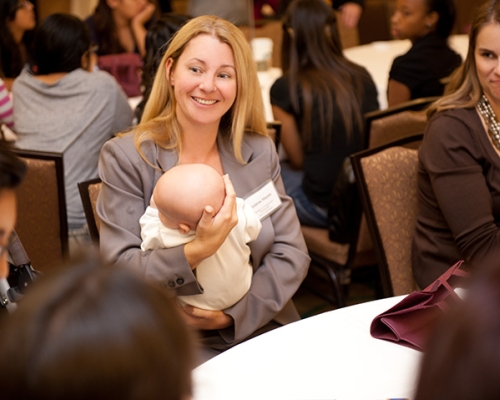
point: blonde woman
(206, 107)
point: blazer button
(180, 281)
(171, 284)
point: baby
(177, 204)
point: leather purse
(409, 322)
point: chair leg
(337, 295)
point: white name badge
(264, 200)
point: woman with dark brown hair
(320, 101)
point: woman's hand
(198, 318)
(212, 229)
(144, 15)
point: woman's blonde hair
(464, 89)
(159, 121)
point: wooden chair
(89, 191)
(387, 184)
(42, 223)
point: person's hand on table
(351, 12)
(205, 319)
(212, 229)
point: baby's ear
(183, 229)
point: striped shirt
(6, 114)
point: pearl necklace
(484, 107)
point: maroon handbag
(126, 68)
(409, 322)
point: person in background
(6, 109)
(157, 38)
(350, 10)
(459, 159)
(95, 332)
(461, 360)
(206, 107)
(17, 17)
(320, 101)
(420, 72)
(12, 171)
(61, 106)
(120, 26)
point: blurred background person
(320, 101)
(61, 105)
(17, 17)
(120, 26)
(95, 332)
(420, 72)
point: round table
(327, 356)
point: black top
(429, 60)
(322, 164)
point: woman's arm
(454, 157)
(127, 185)
(290, 137)
(138, 27)
(397, 93)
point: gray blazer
(279, 255)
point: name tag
(264, 200)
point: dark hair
(157, 38)
(105, 30)
(95, 331)
(12, 168)
(58, 46)
(462, 359)
(447, 13)
(313, 61)
(12, 58)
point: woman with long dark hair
(16, 18)
(320, 101)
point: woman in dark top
(419, 72)
(459, 160)
(16, 18)
(320, 101)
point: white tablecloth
(377, 58)
(328, 356)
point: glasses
(23, 4)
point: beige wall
(81, 8)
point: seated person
(17, 19)
(61, 106)
(95, 332)
(118, 26)
(177, 204)
(459, 160)
(420, 72)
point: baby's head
(182, 193)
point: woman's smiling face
(204, 81)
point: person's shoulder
(447, 125)
(257, 141)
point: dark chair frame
(83, 188)
(367, 206)
(57, 158)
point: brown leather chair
(42, 224)
(89, 191)
(387, 183)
